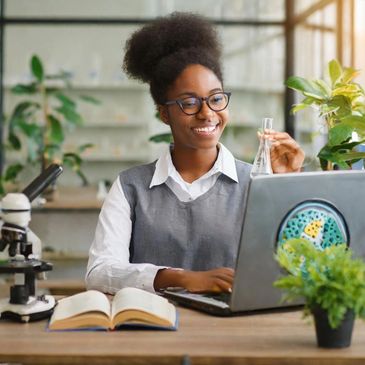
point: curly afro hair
(158, 52)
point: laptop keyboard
(221, 297)
(220, 300)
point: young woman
(177, 222)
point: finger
(289, 141)
(226, 270)
(223, 274)
(222, 286)
(225, 278)
(280, 151)
(281, 148)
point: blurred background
(265, 42)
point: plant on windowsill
(340, 102)
(332, 283)
(36, 127)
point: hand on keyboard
(211, 281)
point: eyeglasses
(193, 105)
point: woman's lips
(206, 130)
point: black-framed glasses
(193, 104)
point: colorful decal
(317, 221)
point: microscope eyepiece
(41, 182)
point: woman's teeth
(205, 129)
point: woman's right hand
(216, 280)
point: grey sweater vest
(197, 235)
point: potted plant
(340, 102)
(36, 126)
(332, 283)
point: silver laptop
(324, 207)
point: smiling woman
(195, 124)
(177, 221)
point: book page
(141, 300)
(87, 301)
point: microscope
(24, 253)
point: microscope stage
(37, 308)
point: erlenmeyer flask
(262, 162)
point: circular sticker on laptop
(316, 221)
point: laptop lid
(310, 205)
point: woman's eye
(216, 99)
(189, 103)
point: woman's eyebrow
(192, 93)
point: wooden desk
(281, 338)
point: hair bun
(164, 37)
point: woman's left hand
(286, 154)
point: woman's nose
(205, 111)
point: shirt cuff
(147, 277)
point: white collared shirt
(109, 268)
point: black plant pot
(328, 337)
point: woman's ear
(164, 114)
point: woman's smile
(208, 130)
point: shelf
(91, 87)
(108, 158)
(270, 89)
(127, 125)
(72, 198)
(247, 125)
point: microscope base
(36, 309)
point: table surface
(275, 338)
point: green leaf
(349, 90)
(162, 138)
(84, 147)
(83, 178)
(296, 108)
(20, 89)
(357, 123)
(37, 68)
(73, 158)
(55, 134)
(349, 74)
(326, 90)
(339, 134)
(342, 105)
(309, 101)
(341, 155)
(328, 110)
(307, 87)
(90, 99)
(350, 156)
(31, 130)
(23, 110)
(12, 172)
(14, 141)
(314, 96)
(65, 100)
(335, 71)
(70, 114)
(74, 161)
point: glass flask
(262, 162)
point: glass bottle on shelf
(262, 162)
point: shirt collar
(224, 164)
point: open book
(130, 307)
